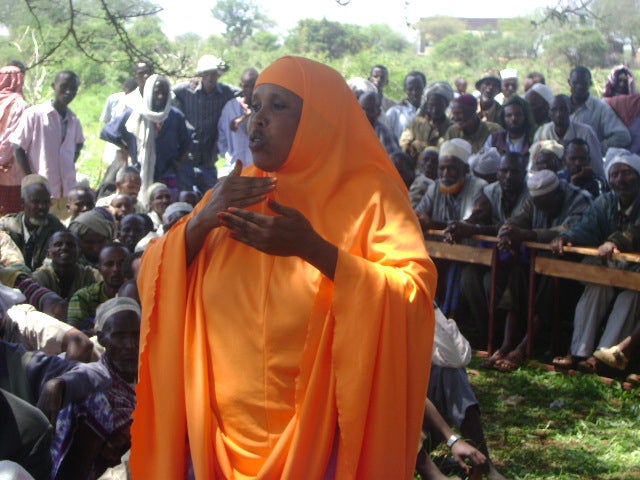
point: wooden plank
(593, 252)
(628, 256)
(483, 238)
(462, 253)
(588, 273)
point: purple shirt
(40, 134)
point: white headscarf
(621, 155)
(140, 124)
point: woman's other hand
(286, 234)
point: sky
(195, 15)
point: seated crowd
(557, 169)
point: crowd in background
(554, 167)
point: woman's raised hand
(234, 191)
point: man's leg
(590, 311)
(622, 319)
(25, 436)
(472, 289)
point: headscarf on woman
(271, 369)
(12, 105)
(611, 86)
(142, 124)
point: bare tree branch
(43, 58)
(566, 10)
(72, 30)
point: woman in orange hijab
(288, 321)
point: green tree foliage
(521, 38)
(383, 38)
(242, 18)
(149, 36)
(266, 41)
(326, 37)
(620, 19)
(434, 29)
(578, 46)
(93, 27)
(461, 47)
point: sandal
(566, 362)
(490, 363)
(590, 365)
(511, 362)
(633, 379)
(614, 357)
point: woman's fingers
(237, 168)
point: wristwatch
(452, 439)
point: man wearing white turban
(449, 198)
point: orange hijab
(341, 367)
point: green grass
(594, 435)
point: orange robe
(270, 369)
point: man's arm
(184, 139)
(21, 158)
(460, 450)
(78, 310)
(424, 211)
(77, 152)
(616, 133)
(582, 221)
(475, 224)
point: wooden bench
(539, 265)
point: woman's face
(275, 114)
(160, 200)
